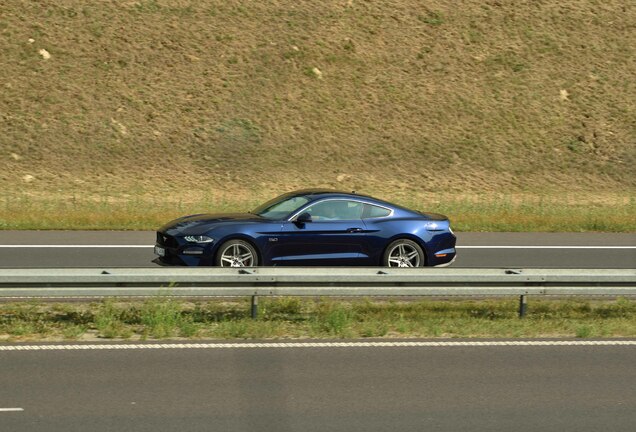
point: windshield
(280, 206)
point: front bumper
(173, 251)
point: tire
(404, 253)
(236, 253)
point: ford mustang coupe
(310, 227)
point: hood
(195, 224)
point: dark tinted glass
(281, 206)
(371, 211)
(335, 210)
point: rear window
(372, 211)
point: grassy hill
(169, 106)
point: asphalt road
(572, 388)
(510, 250)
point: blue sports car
(310, 227)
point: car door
(332, 233)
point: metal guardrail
(316, 281)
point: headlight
(198, 239)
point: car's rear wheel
(404, 253)
(237, 253)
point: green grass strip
(290, 317)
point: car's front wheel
(237, 253)
(404, 253)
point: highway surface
(352, 388)
(134, 249)
(439, 388)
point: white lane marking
(545, 247)
(11, 409)
(221, 345)
(73, 246)
(54, 246)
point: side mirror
(303, 218)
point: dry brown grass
(222, 98)
(468, 212)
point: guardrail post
(254, 307)
(523, 306)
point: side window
(336, 210)
(282, 208)
(372, 211)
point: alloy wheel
(237, 255)
(404, 255)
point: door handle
(354, 230)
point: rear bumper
(448, 263)
(441, 252)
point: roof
(332, 192)
(318, 191)
(324, 191)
